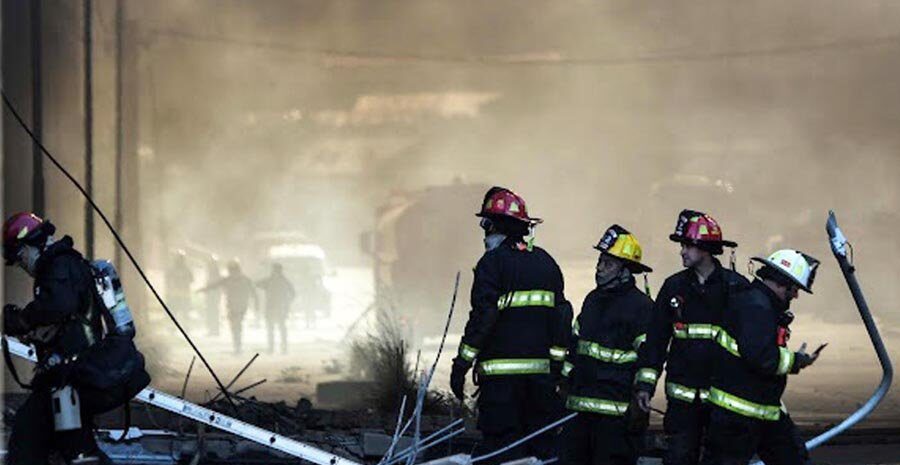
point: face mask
(492, 241)
(612, 278)
(28, 259)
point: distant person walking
(279, 295)
(178, 288)
(213, 297)
(239, 291)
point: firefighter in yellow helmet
(600, 363)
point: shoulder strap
(97, 300)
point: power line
(524, 59)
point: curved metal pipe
(839, 247)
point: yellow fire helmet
(620, 243)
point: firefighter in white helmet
(753, 362)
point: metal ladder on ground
(215, 419)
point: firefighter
(602, 353)
(279, 295)
(178, 288)
(752, 365)
(62, 322)
(686, 312)
(239, 292)
(516, 334)
(213, 297)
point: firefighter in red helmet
(62, 322)
(516, 333)
(686, 313)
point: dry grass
(383, 357)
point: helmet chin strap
(530, 240)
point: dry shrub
(382, 356)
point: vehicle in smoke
(420, 240)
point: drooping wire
(118, 239)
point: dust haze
(311, 116)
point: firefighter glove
(458, 378)
(636, 418)
(641, 400)
(13, 323)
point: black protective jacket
(602, 355)
(520, 318)
(64, 317)
(686, 314)
(752, 360)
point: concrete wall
(63, 126)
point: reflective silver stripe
(558, 353)
(467, 352)
(592, 405)
(514, 366)
(785, 361)
(605, 354)
(744, 406)
(728, 343)
(647, 375)
(527, 299)
(684, 393)
(638, 341)
(567, 368)
(695, 331)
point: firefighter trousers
(594, 439)
(33, 439)
(685, 424)
(512, 406)
(734, 439)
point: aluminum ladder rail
(215, 419)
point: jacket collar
(777, 303)
(713, 277)
(623, 287)
(63, 246)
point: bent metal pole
(839, 247)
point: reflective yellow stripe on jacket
(514, 366)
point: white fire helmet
(796, 265)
